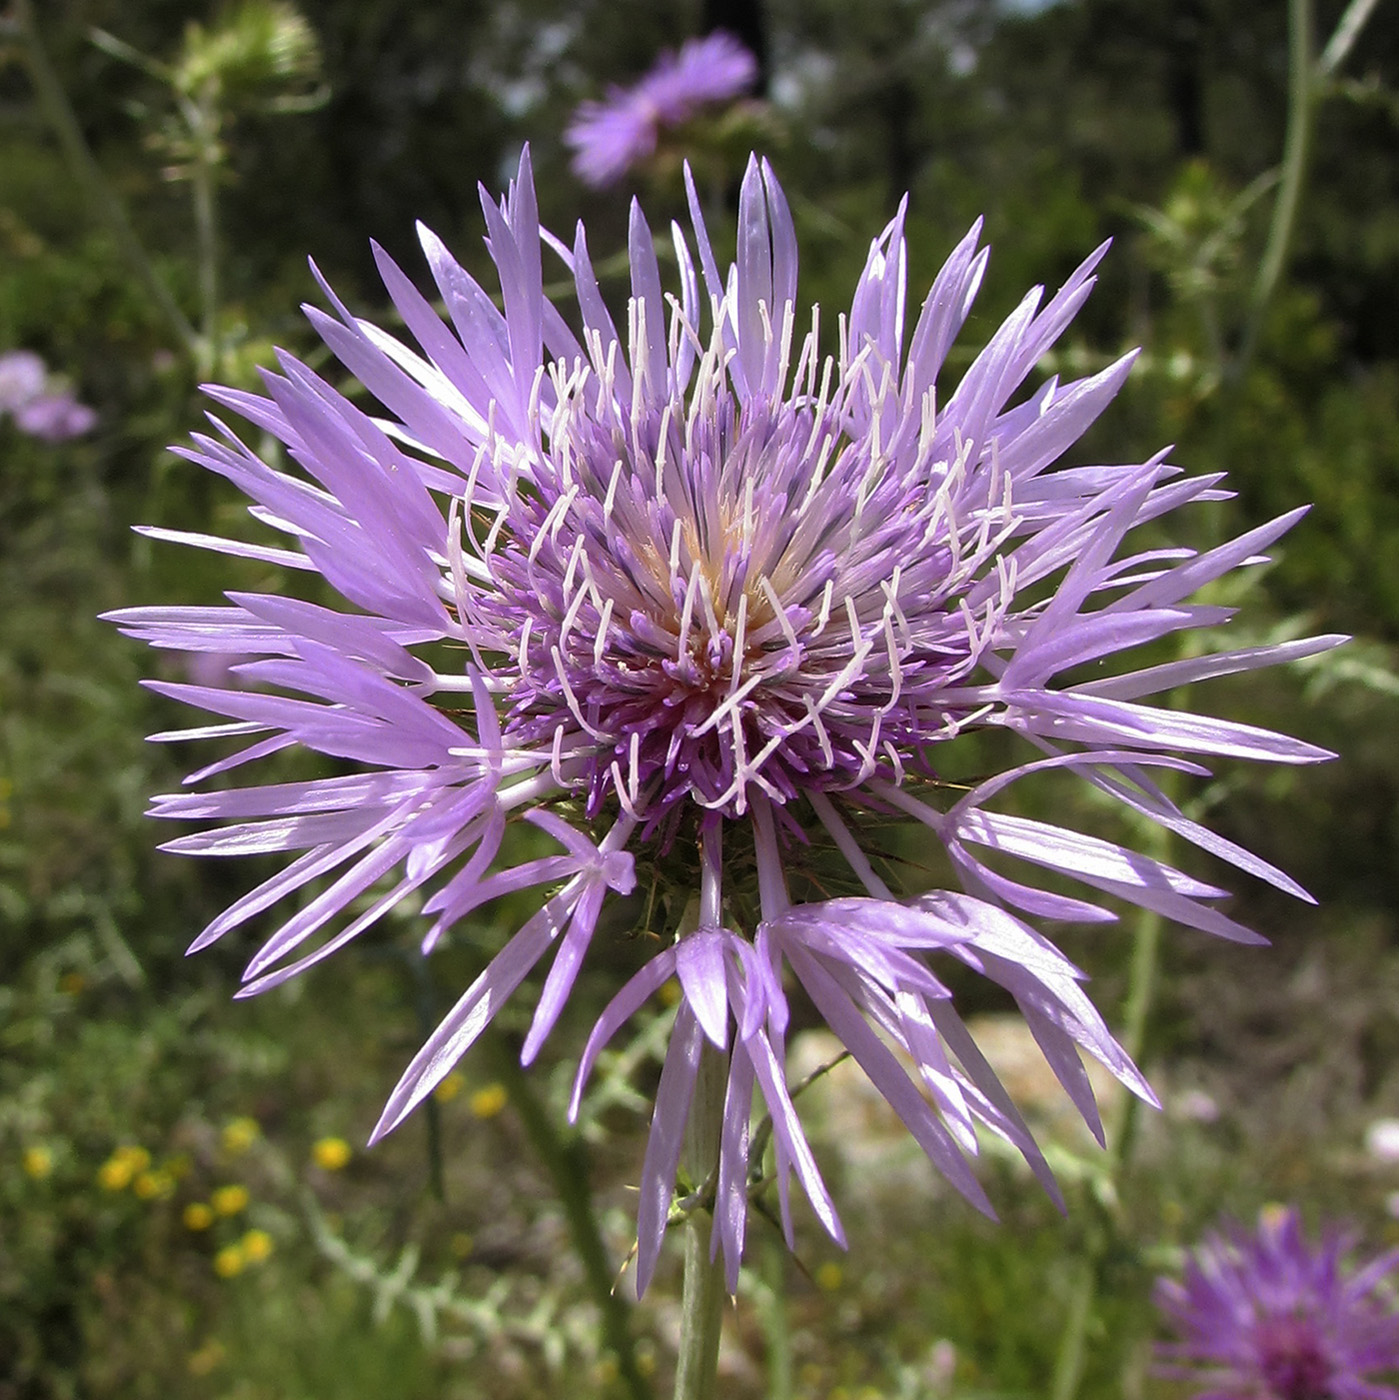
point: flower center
(1293, 1360)
(712, 596)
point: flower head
(40, 410)
(691, 594)
(22, 379)
(609, 137)
(55, 417)
(1268, 1316)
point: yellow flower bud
(197, 1216)
(330, 1153)
(488, 1100)
(37, 1162)
(229, 1261)
(239, 1134)
(256, 1246)
(229, 1200)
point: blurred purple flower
(710, 600)
(53, 415)
(611, 136)
(22, 378)
(1268, 1317)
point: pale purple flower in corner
(22, 378)
(696, 602)
(611, 136)
(55, 417)
(50, 414)
(1269, 1316)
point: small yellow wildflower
(38, 1162)
(208, 1358)
(153, 1186)
(197, 1216)
(669, 992)
(115, 1173)
(256, 1246)
(330, 1153)
(450, 1087)
(829, 1276)
(136, 1157)
(229, 1200)
(488, 1100)
(239, 1134)
(229, 1261)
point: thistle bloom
(609, 137)
(690, 594)
(1270, 1317)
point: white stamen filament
(575, 708)
(846, 844)
(600, 642)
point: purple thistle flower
(55, 417)
(49, 414)
(609, 137)
(22, 378)
(704, 591)
(1269, 1317)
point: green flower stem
(702, 1297)
(1121, 1126)
(774, 1315)
(1346, 33)
(1068, 1366)
(58, 112)
(207, 239)
(202, 119)
(1301, 107)
(565, 1158)
(1141, 988)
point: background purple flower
(22, 378)
(1269, 1316)
(711, 600)
(50, 414)
(55, 417)
(611, 136)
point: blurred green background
(185, 1206)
